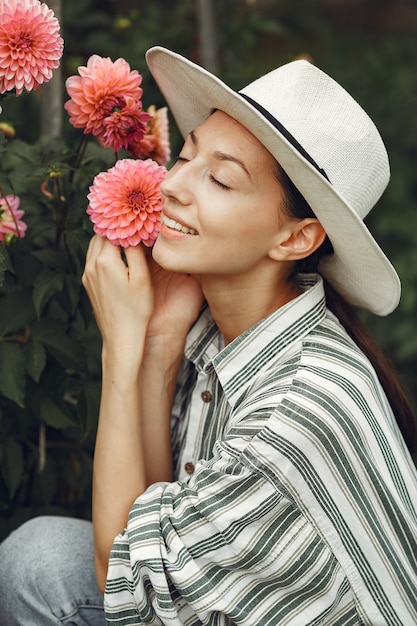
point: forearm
(133, 445)
(158, 381)
(119, 471)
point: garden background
(49, 345)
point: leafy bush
(49, 343)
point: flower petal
(125, 202)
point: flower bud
(8, 238)
(8, 130)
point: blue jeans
(47, 575)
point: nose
(177, 185)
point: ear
(297, 240)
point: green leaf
(35, 355)
(53, 335)
(53, 414)
(45, 483)
(12, 369)
(77, 241)
(72, 290)
(89, 404)
(50, 257)
(46, 284)
(12, 465)
(5, 182)
(3, 143)
(16, 311)
(5, 263)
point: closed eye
(181, 159)
(218, 183)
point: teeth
(177, 226)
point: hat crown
(331, 126)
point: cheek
(250, 214)
(256, 227)
(239, 247)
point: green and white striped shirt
(295, 502)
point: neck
(236, 305)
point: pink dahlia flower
(30, 44)
(10, 218)
(125, 126)
(125, 202)
(102, 89)
(155, 143)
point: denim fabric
(47, 575)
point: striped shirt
(295, 502)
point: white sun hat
(325, 142)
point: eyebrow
(223, 156)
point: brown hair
(296, 206)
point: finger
(104, 254)
(95, 244)
(137, 262)
(102, 257)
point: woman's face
(221, 203)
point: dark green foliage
(49, 345)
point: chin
(166, 259)
(157, 254)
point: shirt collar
(238, 363)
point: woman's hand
(137, 300)
(177, 302)
(121, 296)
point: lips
(170, 223)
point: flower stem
(80, 155)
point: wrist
(122, 363)
(165, 348)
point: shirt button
(189, 467)
(206, 396)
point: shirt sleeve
(226, 547)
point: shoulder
(322, 394)
(321, 364)
(332, 369)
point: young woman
(251, 464)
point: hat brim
(358, 268)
